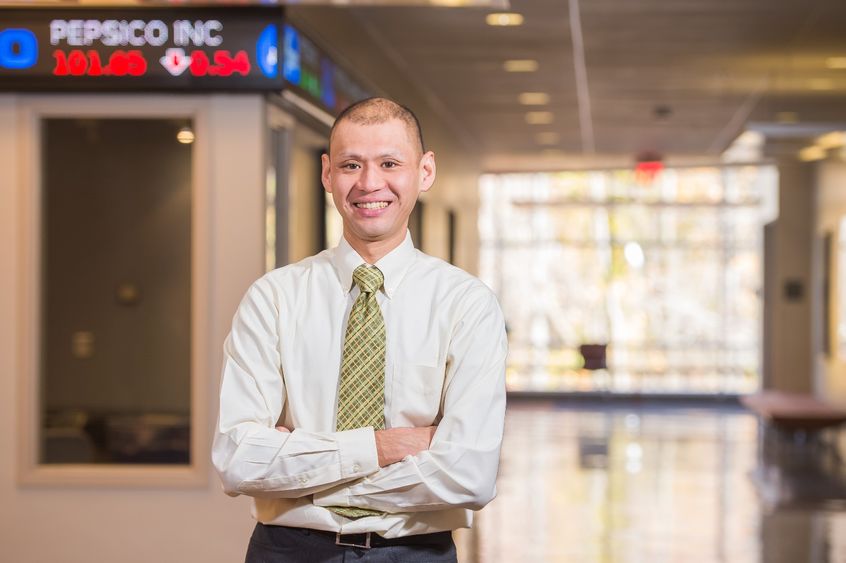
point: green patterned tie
(361, 394)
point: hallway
(633, 482)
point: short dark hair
(371, 111)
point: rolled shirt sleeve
(459, 469)
(249, 454)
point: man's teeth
(372, 205)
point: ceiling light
(539, 117)
(534, 98)
(547, 138)
(504, 19)
(812, 153)
(838, 63)
(520, 65)
(185, 136)
(787, 117)
(833, 140)
(821, 84)
(751, 138)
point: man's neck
(373, 251)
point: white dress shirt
(444, 366)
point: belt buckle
(366, 545)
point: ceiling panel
(701, 64)
(705, 65)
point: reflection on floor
(611, 483)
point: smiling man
(363, 389)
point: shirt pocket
(416, 394)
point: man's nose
(370, 179)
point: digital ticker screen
(140, 49)
(310, 71)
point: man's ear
(427, 171)
(326, 173)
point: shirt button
(303, 480)
(356, 467)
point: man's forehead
(386, 125)
(365, 136)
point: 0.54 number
(82, 63)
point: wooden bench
(806, 468)
(794, 412)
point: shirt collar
(393, 265)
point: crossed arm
(393, 444)
(393, 470)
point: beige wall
(790, 364)
(79, 524)
(831, 208)
(812, 201)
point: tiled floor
(624, 484)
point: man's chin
(371, 235)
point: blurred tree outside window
(666, 274)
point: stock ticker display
(140, 49)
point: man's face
(375, 173)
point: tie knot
(368, 278)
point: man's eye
(389, 164)
(351, 166)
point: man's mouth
(372, 205)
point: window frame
(32, 110)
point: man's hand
(393, 444)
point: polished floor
(615, 483)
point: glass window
(115, 344)
(613, 284)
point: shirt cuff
(357, 452)
(333, 497)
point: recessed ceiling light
(539, 117)
(751, 138)
(547, 138)
(836, 62)
(185, 136)
(812, 153)
(520, 65)
(821, 84)
(504, 19)
(833, 140)
(534, 98)
(787, 117)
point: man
(363, 391)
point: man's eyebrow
(352, 155)
(356, 156)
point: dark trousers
(281, 544)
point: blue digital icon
(291, 55)
(267, 51)
(327, 74)
(18, 49)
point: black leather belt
(372, 539)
